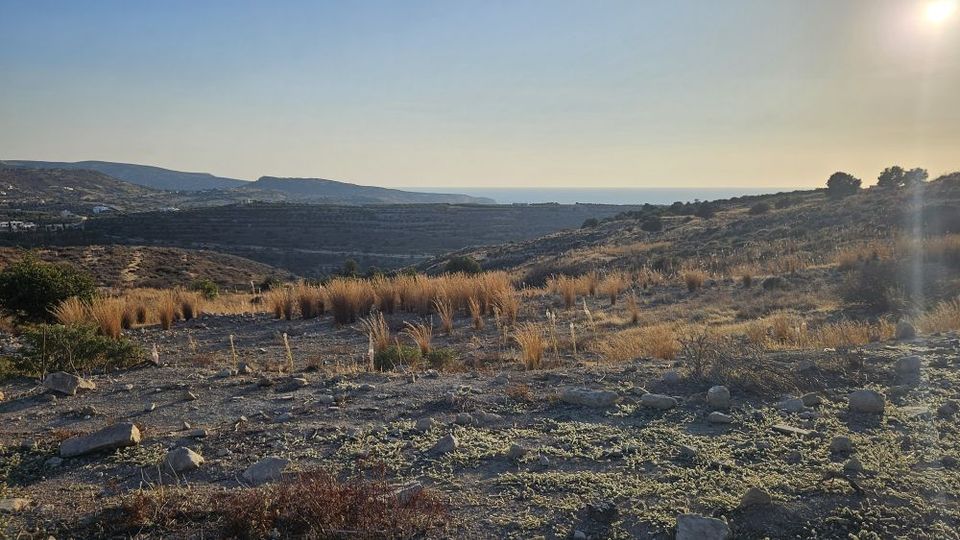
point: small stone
(181, 460)
(516, 451)
(13, 506)
(265, 382)
(658, 401)
(948, 461)
(189, 396)
(150, 407)
(127, 388)
(408, 492)
(367, 388)
(432, 374)
(696, 527)
(787, 429)
(198, 433)
(463, 419)
(905, 331)
(486, 418)
(53, 462)
(67, 383)
(185, 425)
(853, 464)
(792, 405)
(688, 452)
(811, 399)
(793, 457)
(588, 398)
(268, 469)
(718, 397)
(755, 497)
(909, 366)
(544, 460)
(579, 535)
(948, 408)
(717, 417)
(326, 399)
(867, 401)
(294, 383)
(841, 444)
(445, 445)
(246, 369)
(110, 438)
(671, 377)
(425, 424)
(225, 373)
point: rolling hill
(299, 189)
(143, 175)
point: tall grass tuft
(613, 285)
(72, 311)
(476, 313)
(445, 310)
(378, 332)
(634, 308)
(107, 313)
(190, 304)
(166, 310)
(694, 279)
(509, 305)
(422, 335)
(529, 337)
(310, 301)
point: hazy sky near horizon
(541, 93)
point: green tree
(464, 264)
(30, 288)
(841, 184)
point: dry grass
(509, 306)
(529, 337)
(422, 335)
(72, 311)
(281, 302)
(310, 300)
(944, 317)
(377, 331)
(191, 304)
(476, 313)
(633, 307)
(446, 312)
(166, 310)
(349, 299)
(693, 279)
(107, 314)
(656, 341)
(613, 285)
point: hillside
(806, 227)
(316, 239)
(74, 190)
(300, 189)
(137, 266)
(143, 175)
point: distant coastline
(604, 195)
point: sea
(627, 196)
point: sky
(488, 93)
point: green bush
(30, 288)
(760, 208)
(395, 356)
(590, 223)
(875, 284)
(441, 359)
(55, 347)
(207, 287)
(466, 265)
(652, 224)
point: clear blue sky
(590, 93)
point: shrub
(462, 264)
(395, 356)
(107, 313)
(706, 210)
(441, 358)
(444, 309)
(774, 283)
(759, 208)
(875, 284)
(30, 288)
(378, 332)
(74, 348)
(841, 184)
(166, 310)
(72, 311)
(652, 224)
(785, 202)
(190, 304)
(590, 223)
(476, 313)
(422, 335)
(206, 287)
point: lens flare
(940, 10)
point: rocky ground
(578, 451)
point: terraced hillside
(313, 239)
(136, 267)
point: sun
(939, 11)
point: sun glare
(940, 10)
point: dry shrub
(476, 313)
(944, 317)
(317, 505)
(141, 314)
(107, 314)
(310, 301)
(613, 285)
(445, 310)
(422, 335)
(349, 299)
(72, 311)
(281, 302)
(746, 279)
(166, 310)
(509, 305)
(657, 341)
(378, 331)
(191, 304)
(529, 337)
(647, 278)
(567, 287)
(851, 257)
(852, 334)
(694, 279)
(519, 392)
(634, 308)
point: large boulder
(695, 527)
(905, 331)
(109, 438)
(658, 401)
(866, 401)
(718, 397)
(589, 398)
(67, 383)
(268, 469)
(909, 366)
